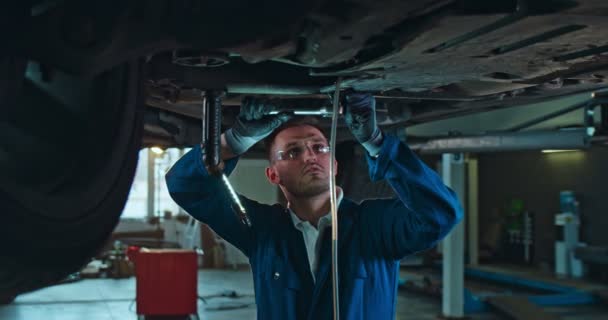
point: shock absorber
(211, 146)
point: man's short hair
(294, 122)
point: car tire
(68, 152)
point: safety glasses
(295, 151)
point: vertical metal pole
(151, 181)
(334, 204)
(453, 244)
(472, 211)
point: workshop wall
(537, 178)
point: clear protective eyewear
(296, 150)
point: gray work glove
(360, 117)
(253, 124)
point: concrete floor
(108, 299)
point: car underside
(85, 84)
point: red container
(166, 282)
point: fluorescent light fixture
(157, 150)
(558, 150)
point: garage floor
(108, 299)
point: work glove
(360, 117)
(253, 124)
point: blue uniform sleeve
(207, 199)
(425, 211)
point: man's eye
(294, 152)
(320, 148)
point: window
(150, 181)
(137, 202)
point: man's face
(299, 161)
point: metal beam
(509, 141)
(548, 116)
(271, 89)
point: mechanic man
(289, 249)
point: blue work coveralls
(372, 236)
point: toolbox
(166, 282)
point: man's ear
(272, 176)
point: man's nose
(309, 154)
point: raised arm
(204, 196)
(425, 211)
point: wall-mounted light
(559, 150)
(157, 150)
